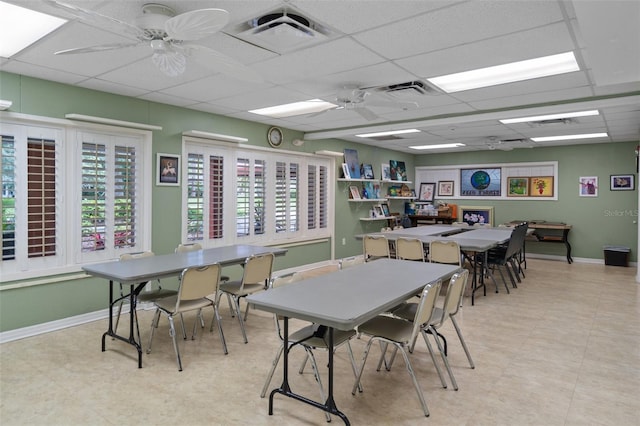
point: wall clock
(274, 136)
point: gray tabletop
(349, 297)
(500, 235)
(168, 265)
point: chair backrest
(375, 247)
(138, 255)
(444, 252)
(454, 296)
(198, 283)
(183, 248)
(426, 307)
(257, 269)
(351, 261)
(409, 249)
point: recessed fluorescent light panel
(387, 133)
(440, 146)
(550, 117)
(20, 27)
(295, 108)
(507, 73)
(569, 137)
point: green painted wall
(607, 219)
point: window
(236, 195)
(70, 196)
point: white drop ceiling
(373, 43)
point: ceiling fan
(169, 35)
(351, 97)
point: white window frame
(231, 153)
(68, 136)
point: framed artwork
(385, 209)
(476, 215)
(385, 171)
(351, 158)
(367, 171)
(588, 186)
(168, 170)
(622, 183)
(517, 186)
(378, 211)
(445, 188)
(427, 191)
(345, 171)
(480, 182)
(354, 192)
(541, 186)
(398, 170)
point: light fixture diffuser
(507, 73)
(550, 117)
(387, 133)
(21, 27)
(295, 108)
(438, 146)
(569, 137)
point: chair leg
(433, 358)
(464, 345)
(154, 325)
(216, 318)
(354, 367)
(172, 333)
(444, 359)
(236, 302)
(365, 355)
(316, 373)
(415, 380)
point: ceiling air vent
(554, 122)
(282, 31)
(410, 89)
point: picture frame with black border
(367, 171)
(445, 188)
(378, 211)
(622, 183)
(427, 191)
(345, 171)
(385, 209)
(167, 169)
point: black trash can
(616, 255)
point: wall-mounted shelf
(401, 198)
(396, 181)
(367, 200)
(371, 219)
(360, 180)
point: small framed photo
(367, 171)
(427, 191)
(385, 209)
(445, 188)
(378, 211)
(385, 171)
(588, 186)
(354, 193)
(517, 187)
(168, 170)
(541, 186)
(622, 183)
(345, 171)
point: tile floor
(562, 349)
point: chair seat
(233, 287)
(168, 304)
(339, 337)
(408, 311)
(148, 296)
(390, 328)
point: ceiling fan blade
(95, 18)
(196, 24)
(171, 63)
(101, 48)
(219, 62)
(366, 113)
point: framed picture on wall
(473, 215)
(480, 182)
(622, 183)
(427, 191)
(588, 186)
(168, 170)
(541, 186)
(385, 171)
(517, 186)
(445, 188)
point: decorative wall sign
(480, 182)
